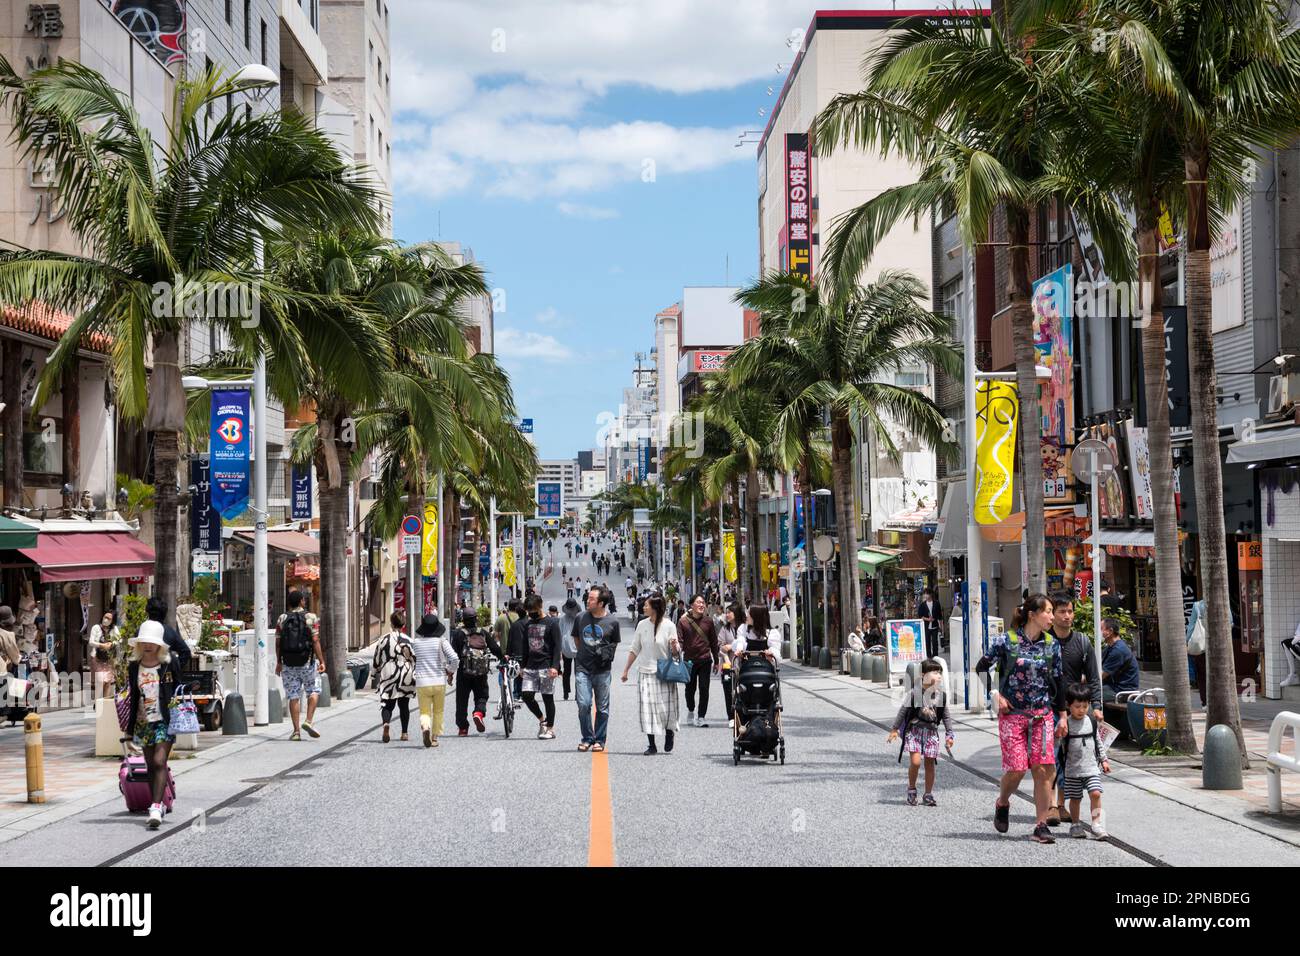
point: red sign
(710, 361)
(798, 204)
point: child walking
(1085, 761)
(918, 722)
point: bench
(1278, 761)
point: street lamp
(819, 493)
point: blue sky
(524, 129)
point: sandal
(598, 748)
(584, 747)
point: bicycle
(507, 672)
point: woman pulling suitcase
(152, 676)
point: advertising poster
(997, 411)
(230, 448)
(905, 641)
(798, 202)
(1139, 462)
(1052, 306)
(205, 521)
(729, 555)
(429, 546)
(301, 478)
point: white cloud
(514, 344)
(578, 211)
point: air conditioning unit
(995, 570)
(1279, 394)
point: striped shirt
(434, 656)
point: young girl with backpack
(918, 722)
(395, 674)
(476, 648)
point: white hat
(151, 632)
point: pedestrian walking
(568, 645)
(535, 643)
(1078, 666)
(155, 609)
(475, 648)
(1029, 695)
(930, 611)
(596, 633)
(299, 661)
(101, 646)
(1083, 755)
(435, 665)
(394, 665)
(152, 676)
(654, 640)
(699, 642)
(918, 723)
(728, 632)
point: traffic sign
(411, 539)
(526, 426)
(1091, 456)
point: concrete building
(560, 469)
(478, 311)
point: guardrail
(1278, 761)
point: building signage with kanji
(798, 204)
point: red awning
(90, 556)
(290, 542)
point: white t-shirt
(149, 682)
(742, 641)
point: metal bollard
(825, 662)
(34, 748)
(347, 686)
(324, 699)
(855, 664)
(274, 705)
(1221, 762)
(234, 718)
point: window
(388, 156)
(387, 88)
(379, 67)
(263, 39)
(248, 16)
(228, 12)
(207, 68)
(379, 8)
(371, 139)
(371, 57)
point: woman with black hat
(435, 666)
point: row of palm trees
(363, 337)
(1145, 106)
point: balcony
(301, 49)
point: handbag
(184, 713)
(122, 700)
(1196, 643)
(674, 670)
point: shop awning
(1115, 537)
(870, 560)
(1059, 523)
(14, 534)
(950, 538)
(912, 519)
(290, 542)
(1266, 446)
(90, 556)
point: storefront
(293, 561)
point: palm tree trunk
(1169, 596)
(1031, 451)
(166, 419)
(751, 524)
(415, 506)
(842, 468)
(334, 564)
(1222, 701)
(805, 485)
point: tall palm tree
(149, 213)
(964, 102)
(842, 354)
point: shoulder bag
(184, 713)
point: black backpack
(1063, 749)
(295, 639)
(477, 657)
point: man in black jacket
(472, 645)
(156, 610)
(1078, 666)
(535, 643)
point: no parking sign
(411, 539)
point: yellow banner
(508, 566)
(429, 551)
(729, 555)
(998, 407)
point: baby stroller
(756, 724)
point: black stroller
(756, 724)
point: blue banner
(230, 445)
(785, 539)
(205, 521)
(301, 492)
(484, 558)
(798, 522)
(550, 499)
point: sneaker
(386, 737)
(547, 734)
(928, 800)
(404, 737)
(1001, 817)
(911, 798)
(1078, 831)
(1043, 834)
(541, 730)
(155, 817)
(462, 732)
(433, 742)
(701, 723)
(310, 729)
(668, 742)
(1099, 831)
(478, 721)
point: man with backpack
(596, 636)
(299, 661)
(475, 648)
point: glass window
(247, 23)
(228, 11)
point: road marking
(600, 842)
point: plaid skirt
(659, 704)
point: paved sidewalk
(76, 780)
(1179, 781)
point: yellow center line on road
(600, 841)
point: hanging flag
(429, 561)
(230, 445)
(205, 522)
(301, 491)
(729, 555)
(997, 409)
(508, 566)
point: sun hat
(151, 632)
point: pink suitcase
(133, 781)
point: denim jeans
(587, 686)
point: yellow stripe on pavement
(600, 844)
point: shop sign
(1250, 556)
(1053, 311)
(230, 451)
(429, 562)
(798, 204)
(904, 643)
(997, 410)
(301, 477)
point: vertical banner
(301, 478)
(729, 556)
(798, 202)
(785, 538)
(997, 408)
(205, 520)
(1139, 458)
(798, 522)
(508, 565)
(484, 558)
(230, 451)
(429, 550)
(1053, 309)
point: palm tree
(149, 214)
(840, 353)
(973, 112)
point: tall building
(561, 469)
(477, 311)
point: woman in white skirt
(655, 639)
